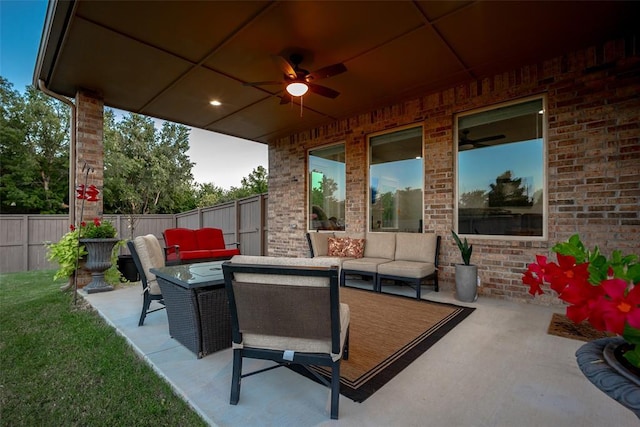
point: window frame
(420, 125)
(545, 161)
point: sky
(220, 159)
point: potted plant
(603, 291)
(71, 251)
(99, 238)
(466, 273)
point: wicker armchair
(290, 314)
(147, 253)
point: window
(396, 181)
(327, 188)
(501, 189)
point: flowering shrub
(605, 292)
(97, 230)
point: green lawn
(61, 364)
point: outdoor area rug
(562, 326)
(386, 334)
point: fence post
(25, 246)
(236, 206)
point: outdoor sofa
(184, 245)
(406, 257)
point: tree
(255, 183)
(34, 154)
(508, 192)
(209, 194)
(146, 172)
(473, 199)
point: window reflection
(500, 169)
(396, 181)
(327, 188)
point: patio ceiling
(169, 59)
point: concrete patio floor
(499, 367)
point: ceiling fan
(465, 143)
(298, 81)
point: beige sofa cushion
(284, 261)
(151, 256)
(380, 245)
(320, 243)
(419, 247)
(364, 264)
(409, 269)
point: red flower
(536, 275)
(567, 272)
(618, 306)
(582, 296)
(96, 222)
(83, 224)
(72, 227)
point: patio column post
(89, 150)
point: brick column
(89, 149)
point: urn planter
(98, 261)
(601, 361)
(467, 282)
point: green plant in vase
(465, 248)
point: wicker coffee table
(197, 305)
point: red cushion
(183, 237)
(209, 238)
(202, 253)
(224, 253)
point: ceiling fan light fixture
(297, 88)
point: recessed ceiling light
(215, 103)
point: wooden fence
(23, 237)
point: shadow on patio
(499, 367)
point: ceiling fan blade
(323, 73)
(323, 91)
(285, 98)
(284, 65)
(271, 82)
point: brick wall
(89, 149)
(593, 160)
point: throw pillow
(336, 246)
(345, 247)
(354, 248)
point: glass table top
(192, 275)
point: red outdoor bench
(185, 246)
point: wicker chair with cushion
(147, 253)
(287, 310)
